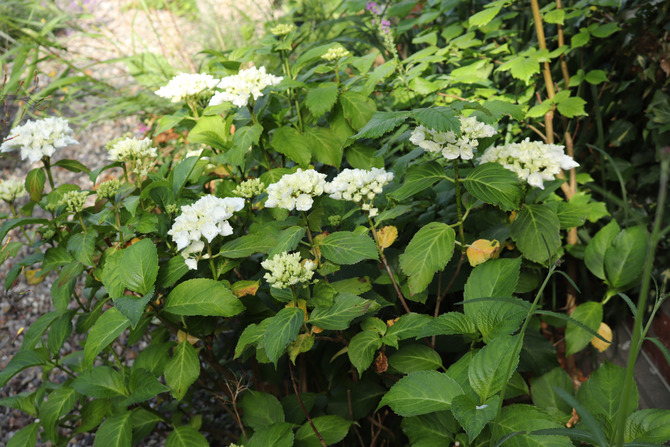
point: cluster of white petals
(244, 85)
(447, 143)
(208, 218)
(37, 139)
(533, 161)
(186, 85)
(250, 188)
(137, 153)
(335, 53)
(296, 191)
(11, 189)
(285, 270)
(360, 186)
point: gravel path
(111, 29)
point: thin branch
(302, 405)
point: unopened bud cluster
(335, 53)
(74, 201)
(250, 188)
(108, 189)
(285, 270)
(282, 29)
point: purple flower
(372, 7)
(385, 25)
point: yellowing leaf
(32, 279)
(181, 336)
(482, 250)
(300, 304)
(316, 329)
(605, 332)
(242, 288)
(386, 236)
(303, 343)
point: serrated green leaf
(474, 417)
(321, 98)
(182, 370)
(92, 414)
(357, 109)
(116, 431)
(143, 386)
(411, 358)
(261, 409)
(293, 144)
(139, 266)
(594, 254)
(82, 246)
(580, 39)
(26, 437)
(428, 252)
(544, 395)
(624, 258)
(521, 419)
(419, 178)
(186, 436)
(487, 372)
(430, 430)
(555, 16)
(492, 183)
(35, 184)
(536, 232)
(345, 308)
(484, 16)
(421, 392)
(362, 349)
(100, 381)
(589, 314)
(650, 425)
(202, 296)
(381, 123)
(344, 247)
(105, 330)
(539, 110)
(494, 278)
(282, 330)
(571, 107)
(275, 435)
(442, 119)
(451, 323)
(245, 246)
(409, 325)
(59, 402)
(332, 429)
(327, 147)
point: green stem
(81, 221)
(309, 232)
(212, 266)
(118, 222)
(629, 381)
(459, 204)
(47, 168)
(15, 214)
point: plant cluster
(374, 244)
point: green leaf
(421, 392)
(35, 184)
(501, 317)
(116, 431)
(143, 386)
(139, 266)
(72, 166)
(544, 394)
(345, 247)
(245, 246)
(22, 221)
(594, 254)
(327, 147)
(322, 98)
(60, 331)
(596, 77)
(202, 296)
(92, 414)
(487, 372)
(492, 183)
(182, 370)
(282, 330)
(539, 110)
(494, 278)
(261, 409)
(104, 331)
(580, 39)
(430, 430)
(358, 109)
(649, 425)
(624, 258)
(181, 173)
(571, 107)
(555, 16)
(521, 67)
(428, 252)
(536, 232)
(171, 271)
(143, 424)
(362, 349)
(132, 307)
(332, 429)
(288, 240)
(442, 119)
(408, 325)
(26, 437)
(35, 331)
(474, 417)
(484, 16)
(60, 402)
(251, 335)
(276, 435)
(451, 323)
(499, 109)
(186, 436)
(523, 419)
(154, 358)
(418, 178)
(605, 30)
(411, 358)
(381, 123)
(293, 144)
(111, 273)
(345, 308)
(423, 86)
(602, 397)
(100, 381)
(82, 246)
(589, 314)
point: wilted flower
(37, 139)
(335, 53)
(360, 186)
(108, 189)
(451, 146)
(296, 191)
(533, 161)
(186, 85)
(208, 218)
(249, 188)
(244, 85)
(282, 29)
(11, 189)
(285, 270)
(137, 153)
(74, 201)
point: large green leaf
(35, 184)
(104, 331)
(182, 370)
(332, 429)
(143, 386)
(650, 425)
(111, 273)
(442, 119)
(245, 246)
(544, 395)
(26, 437)
(474, 417)
(362, 349)
(358, 109)
(144, 422)
(490, 365)
(589, 314)
(321, 98)
(293, 144)
(409, 325)
(501, 317)
(22, 221)
(421, 392)
(116, 431)
(132, 307)
(381, 123)
(82, 245)
(492, 183)
(261, 409)
(345, 247)
(430, 430)
(345, 307)
(288, 240)
(139, 266)
(282, 330)
(594, 254)
(418, 178)
(450, 323)
(428, 252)
(494, 278)
(275, 435)
(624, 258)
(523, 419)
(327, 147)
(100, 381)
(202, 296)
(59, 402)
(186, 436)
(536, 232)
(412, 358)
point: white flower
(296, 191)
(11, 189)
(186, 85)
(37, 139)
(245, 84)
(451, 147)
(335, 53)
(360, 186)
(532, 161)
(137, 153)
(285, 270)
(208, 218)
(250, 188)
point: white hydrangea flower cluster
(108, 189)
(296, 191)
(11, 189)
(137, 153)
(533, 161)
(74, 201)
(186, 85)
(452, 147)
(41, 138)
(208, 218)
(244, 85)
(250, 188)
(283, 29)
(335, 53)
(285, 270)
(360, 186)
